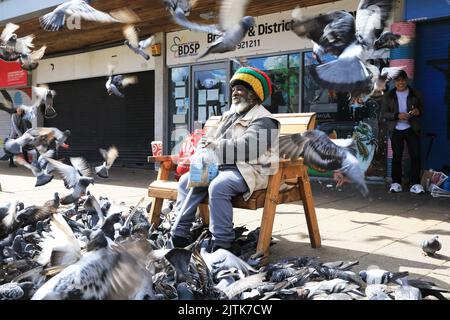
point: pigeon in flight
(46, 95)
(109, 156)
(76, 177)
(42, 176)
(81, 9)
(431, 246)
(132, 41)
(31, 61)
(12, 47)
(43, 136)
(321, 153)
(116, 83)
(232, 28)
(351, 40)
(183, 6)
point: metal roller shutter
(98, 120)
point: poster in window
(202, 114)
(201, 96)
(213, 95)
(180, 92)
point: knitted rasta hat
(254, 79)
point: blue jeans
(227, 184)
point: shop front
(198, 88)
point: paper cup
(157, 148)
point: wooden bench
(291, 173)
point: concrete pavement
(384, 229)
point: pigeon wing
(231, 13)
(86, 12)
(180, 18)
(68, 173)
(81, 165)
(129, 80)
(111, 156)
(131, 35)
(333, 31)
(371, 19)
(38, 54)
(24, 44)
(8, 31)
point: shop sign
(12, 75)
(272, 33)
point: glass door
(209, 92)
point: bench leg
(203, 209)
(155, 211)
(310, 211)
(163, 174)
(268, 217)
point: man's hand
(339, 178)
(414, 112)
(212, 144)
(404, 116)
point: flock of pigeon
(96, 249)
(76, 246)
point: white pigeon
(81, 9)
(109, 156)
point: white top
(402, 97)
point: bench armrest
(152, 159)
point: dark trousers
(398, 142)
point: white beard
(241, 106)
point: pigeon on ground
(431, 246)
(320, 153)
(17, 291)
(76, 177)
(81, 9)
(132, 41)
(46, 95)
(351, 40)
(428, 288)
(375, 275)
(109, 156)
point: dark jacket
(389, 109)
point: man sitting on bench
(245, 141)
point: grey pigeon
(407, 292)
(114, 271)
(319, 152)
(352, 40)
(431, 246)
(81, 9)
(43, 136)
(42, 175)
(17, 291)
(233, 26)
(76, 177)
(116, 83)
(428, 288)
(132, 41)
(109, 156)
(375, 275)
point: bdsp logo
(184, 49)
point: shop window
(283, 71)
(178, 106)
(316, 99)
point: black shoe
(180, 242)
(234, 249)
